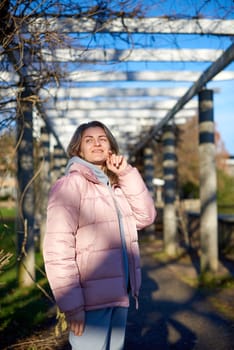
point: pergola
(134, 102)
(118, 73)
(123, 82)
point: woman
(91, 249)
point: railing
(225, 231)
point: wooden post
(208, 184)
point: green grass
(7, 213)
(7, 236)
(22, 310)
(225, 209)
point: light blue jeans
(104, 330)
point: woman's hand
(77, 323)
(116, 163)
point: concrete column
(169, 212)
(59, 162)
(45, 179)
(208, 184)
(149, 169)
(148, 159)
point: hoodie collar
(93, 169)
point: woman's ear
(79, 154)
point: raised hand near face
(116, 163)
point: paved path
(173, 315)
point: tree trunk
(25, 172)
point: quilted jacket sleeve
(138, 197)
(59, 245)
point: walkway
(173, 315)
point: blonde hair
(73, 148)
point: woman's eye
(88, 140)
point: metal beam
(113, 76)
(123, 91)
(132, 25)
(126, 115)
(134, 55)
(105, 76)
(110, 104)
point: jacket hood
(90, 171)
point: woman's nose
(97, 142)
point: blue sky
(224, 113)
(191, 8)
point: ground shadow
(147, 327)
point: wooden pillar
(169, 212)
(208, 184)
(25, 198)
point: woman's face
(95, 147)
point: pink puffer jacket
(82, 245)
